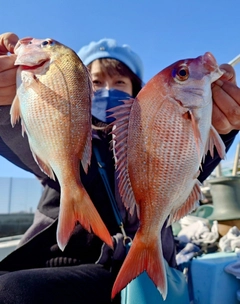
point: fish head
(189, 81)
(34, 53)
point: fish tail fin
(142, 257)
(75, 206)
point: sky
(160, 31)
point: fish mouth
(30, 55)
(209, 61)
(33, 67)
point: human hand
(118, 253)
(7, 68)
(226, 105)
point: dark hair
(112, 66)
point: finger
(229, 73)
(7, 62)
(7, 95)
(220, 121)
(8, 77)
(7, 43)
(227, 99)
(225, 91)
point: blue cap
(108, 48)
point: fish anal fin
(76, 206)
(15, 111)
(142, 257)
(215, 140)
(190, 204)
(45, 167)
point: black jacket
(38, 247)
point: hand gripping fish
(161, 138)
(54, 102)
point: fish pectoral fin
(190, 204)
(196, 132)
(24, 130)
(15, 111)
(215, 140)
(30, 80)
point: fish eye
(46, 42)
(181, 73)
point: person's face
(104, 81)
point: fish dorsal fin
(120, 144)
(215, 140)
(190, 204)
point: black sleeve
(8, 154)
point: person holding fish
(34, 273)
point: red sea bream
(161, 138)
(54, 103)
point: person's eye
(120, 81)
(96, 82)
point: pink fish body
(161, 138)
(54, 102)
